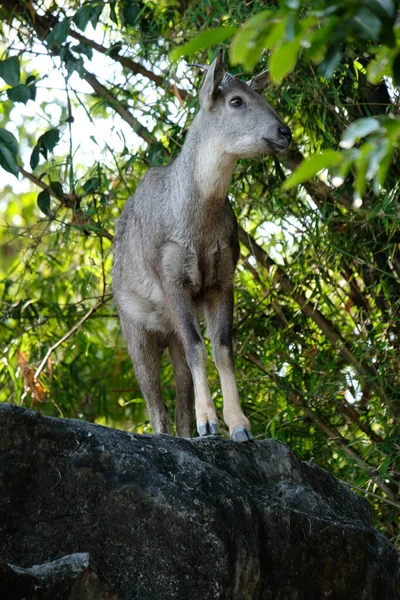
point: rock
(165, 518)
(72, 577)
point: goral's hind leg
(145, 353)
(184, 414)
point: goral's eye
(236, 102)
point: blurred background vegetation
(91, 94)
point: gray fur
(176, 248)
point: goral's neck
(205, 169)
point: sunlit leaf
(331, 61)
(396, 70)
(205, 39)
(362, 166)
(283, 60)
(245, 40)
(359, 129)
(382, 8)
(311, 166)
(369, 24)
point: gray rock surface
(165, 518)
(72, 577)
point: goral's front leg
(179, 279)
(219, 315)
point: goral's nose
(285, 132)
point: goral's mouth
(275, 146)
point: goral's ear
(259, 82)
(212, 81)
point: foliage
(90, 98)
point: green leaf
(8, 161)
(74, 64)
(359, 129)
(113, 12)
(57, 188)
(382, 8)
(274, 34)
(8, 152)
(34, 160)
(10, 70)
(293, 4)
(243, 47)
(82, 17)
(43, 201)
(83, 48)
(91, 184)
(368, 24)
(20, 93)
(115, 49)
(88, 13)
(50, 139)
(244, 41)
(362, 163)
(156, 154)
(45, 143)
(311, 166)
(385, 165)
(283, 60)
(291, 27)
(376, 155)
(31, 84)
(332, 59)
(95, 14)
(205, 39)
(131, 13)
(396, 70)
(59, 34)
(380, 66)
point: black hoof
(209, 428)
(241, 434)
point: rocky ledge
(139, 517)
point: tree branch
(133, 66)
(120, 108)
(42, 25)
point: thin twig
(69, 333)
(38, 182)
(68, 201)
(366, 372)
(367, 493)
(329, 431)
